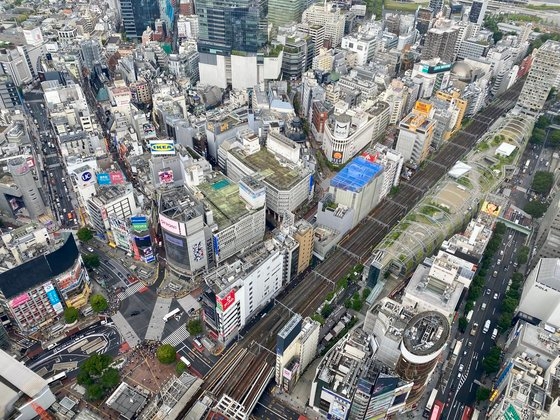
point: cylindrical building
(23, 177)
(423, 341)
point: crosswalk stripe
(177, 336)
(129, 291)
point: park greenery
(71, 315)
(91, 261)
(542, 182)
(194, 327)
(97, 376)
(98, 303)
(166, 354)
(85, 234)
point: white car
(495, 296)
(90, 249)
(461, 367)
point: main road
(247, 367)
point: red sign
(369, 157)
(225, 303)
(116, 177)
(30, 162)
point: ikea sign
(162, 147)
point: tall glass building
(229, 25)
(137, 15)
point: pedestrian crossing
(129, 291)
(177, 336)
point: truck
(486, 327)
(430, 403)
(469, 315)
(457, 348)
(474, 329)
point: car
(90, 249)
(461, 367)
(488, 291)
(483, 307)
(506, 267)
(498, 262)
(495, 296)
(459, 376)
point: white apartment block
(333, 21)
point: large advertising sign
(370, 157)
(103, 179)
(169, 225)
(491, 208)
(53, 297)
(165, 176)
(225, 303)
(139, 223)
(86, 177)
(116, 177)
(162, 147)
(336, 157)
(19, 300)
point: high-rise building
(423, 19)
(423, 341)
(436, 6)
(544, 72)
(90, 53)
(25, 180)
(478, 9)
(137, 15)
(441, 42)
(282, 12)
(548, 236)
(416, 132)
(229, 29)
(332, 19)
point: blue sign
(216, 245)
(311, 183)
(52, 295)
(103, 179)
(86, 176)
(138, 219)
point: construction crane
(42, 413)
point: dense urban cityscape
(283, 209)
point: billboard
(423, 107)
(491, 208)
(169, 225)
(103, 179)
(370, 157)
(116, 177)
(139, 223)
(86, 177)
(30, 162)
(435, 69)
(225, 303)
(336, 157)
(216, 244)
(162, 147)
(287, 373)
(198, 251)
(165, 176)
(53, 297)
(19, 300)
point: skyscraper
(478, 10)
(229, 28)
(542, 76)
(281, 12)
(137, 15)
(24, 179)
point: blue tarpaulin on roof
(356, 174)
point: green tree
(482, 394)
(96, 364)
(95, 392)
(500, 228)
(71, 315)
(98, 303)
(469, 306)
(91, 260)
(522, 256)
(542, 122)
(166, 354)
(537, 136)
(194, 327)
(505, 321)
(110, 378)
(491, 363)
(365, 293)
(463, 322)
(553, 139)
(535, 208)
(180, 368)
(326, 310)
(509, 305)
(85, 234)
(542, 182)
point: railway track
(241, 372)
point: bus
(437, 410)
(171, 314)
(185, 361)
(198, 345)
(430, 403)
(57, 377)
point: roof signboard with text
(226, 302)
(162, 147)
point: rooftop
(279, 174)
(110, 193)
(39, 270)
(356, 174)
(179, 204)
(127, 401)
(549, 272)
(222, 195)
(15, 377)
(426, 333)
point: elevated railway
(245, 369)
